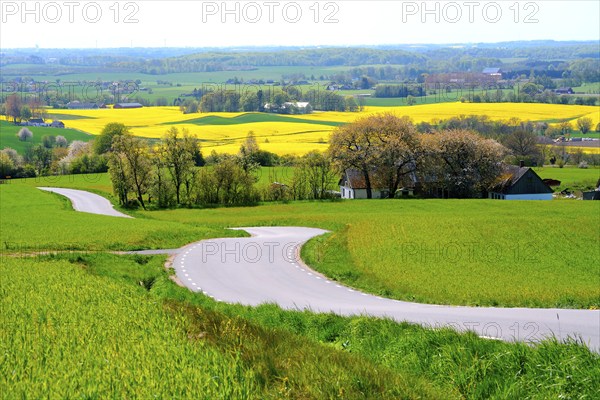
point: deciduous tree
(103, 142)
(13, 107)
(399, 150)
(355, 146)
(460, 162)
(135, 162)
(383, 147)
(24, 134)
(319, 173)
(523, 145)
(178, 152)
(584, 124)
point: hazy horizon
(234, 24)
(283, 47)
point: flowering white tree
(24, 134)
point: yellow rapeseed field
(584, 149)
(310, 132)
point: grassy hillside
(94, 324)
(79, 334)
(472, 252)
(23, 207)
(8, 135)
(571, 177)
(388, 247)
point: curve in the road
(266, 268)
(87, 202)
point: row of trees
(18, 110)
(530, 93)
(173, 173)
(48, 141)
(45, 159)
(497, 129)
(233, 101)
(395, 90)
(527, 141)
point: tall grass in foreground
(66, 333)
(99, 326)
(462, 365)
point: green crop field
(90, 330)
(84, 323)
(67, 333)
(99, 326)
(8, 135)
(23, 207)
(594, 135)
(387, 247)
(476, 252)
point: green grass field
(87, 328)
(474, 252)
(252, 118)
(84, 323)
(23, 207)
(588, 88)
(387, 247)
(595, 135)
(571, 177)
(8, 135)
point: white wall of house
(359, 193)
(346, 192)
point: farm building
(495, 72)
(564, 90)
(520, 183)
(35, 122)
(127, 105)
(594, 194)
(353, 186)
(57, 124)
(77, 105)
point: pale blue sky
(154, 23)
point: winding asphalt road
(266, 268)
(87, 202)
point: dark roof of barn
(511, 175)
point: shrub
(24, 134)
(61, 141)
